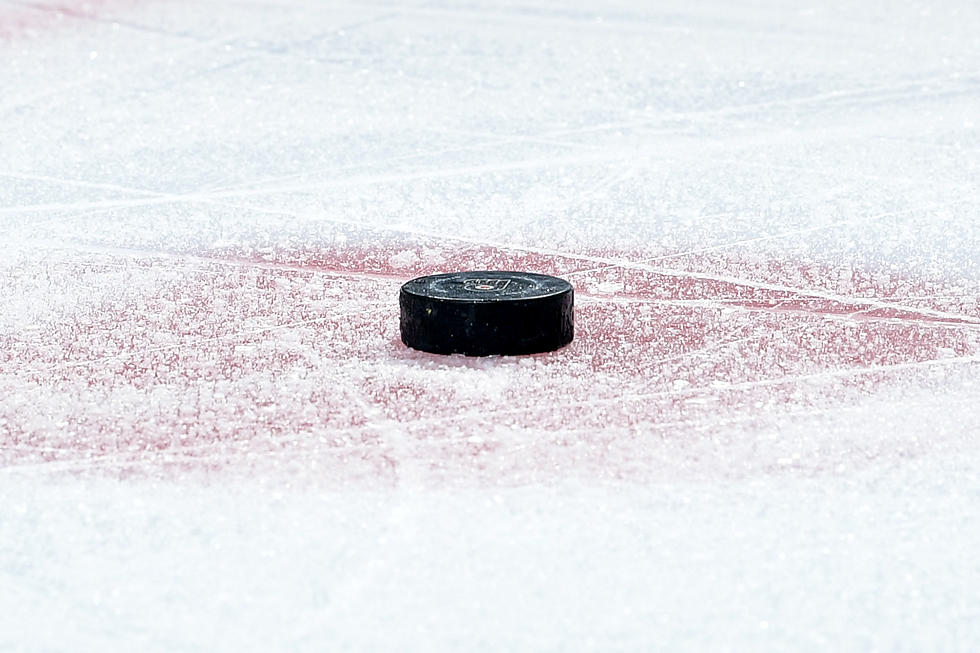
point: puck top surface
(486, 286)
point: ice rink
(765, 436)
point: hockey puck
(486, 313)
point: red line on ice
(28, 19)
(289, 362)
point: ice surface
(764, 437)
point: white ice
(229, 193)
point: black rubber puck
(486, 313)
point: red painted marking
(288, 362)
(29, 19)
